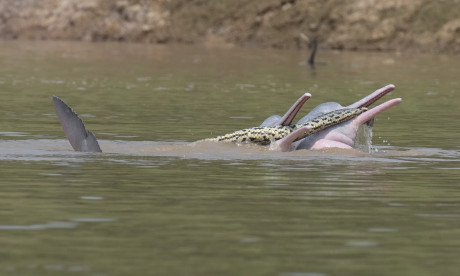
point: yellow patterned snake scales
(265, 135)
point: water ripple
(73, 223)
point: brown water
(155, 205)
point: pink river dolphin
(339, 136)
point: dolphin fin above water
(308, 133)
(74, 128)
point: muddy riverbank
(408, 26)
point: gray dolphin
(342, 135)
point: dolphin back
(271, 121)
(320, 110)
(74, 128)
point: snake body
(265, 135)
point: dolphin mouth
(373, 97)
(371, 113)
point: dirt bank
(391, 25)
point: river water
(153, 204)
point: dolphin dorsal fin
(74, 128)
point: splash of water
(363, 140)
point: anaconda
(265, 135)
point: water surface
(154, 204)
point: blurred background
(392, 25)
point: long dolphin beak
(373, 97)
(371, 113)
(292, 112)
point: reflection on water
(55, 224)
(155, 203)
